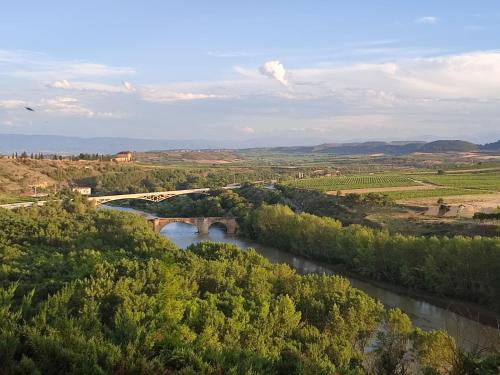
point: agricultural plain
(406, 186)
(353, 182)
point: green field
(10, 198)
(352, 182)
(438, 193)
(481, 181)
(453, 183)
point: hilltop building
(123, 157)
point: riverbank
(426, 311)
(479, 313)
(460, 268)
(476, 312)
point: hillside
(10, 143)
(186, 156)
(18, 176)
(495, 146)
(448, 145)
(390, 148)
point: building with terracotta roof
(123, 157)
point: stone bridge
(203, 224)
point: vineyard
(352, 182)
(438, 185)
(480, 181)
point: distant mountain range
(10, 143)
(391, 148)
(104, 145)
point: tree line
(487, 215)
(462, 267)
(41, 156)
(133, 179)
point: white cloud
(248, 130)
(97, 70)
(42, 67)
(64, 84)
(68, 106)
(472, 75)
(405, 85)
(12, 104)
(8, 123)
(274, 69)
(358, 99)
(427, 20)
(165, 95)
(128, 86)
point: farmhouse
(123, 157)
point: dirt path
(483, 202)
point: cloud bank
(444, 94)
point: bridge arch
(163, 222)
(202, 224)
(219, 224)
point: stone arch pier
(201, 223)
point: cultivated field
(405, 187)
(478, 181)
(440, 191)
(353, 182)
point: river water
(467, 332)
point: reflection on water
(424, 315)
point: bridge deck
(156, 196)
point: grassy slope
(18, 176)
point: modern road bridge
(151, 197)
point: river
(468, 333)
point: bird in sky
(29, 109)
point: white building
(83, 190)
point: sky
(296, 71)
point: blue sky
(297, 71)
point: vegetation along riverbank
(96, 291)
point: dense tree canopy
(463, 267)
(134, 179)
(87, 291)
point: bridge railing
(155, 196)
